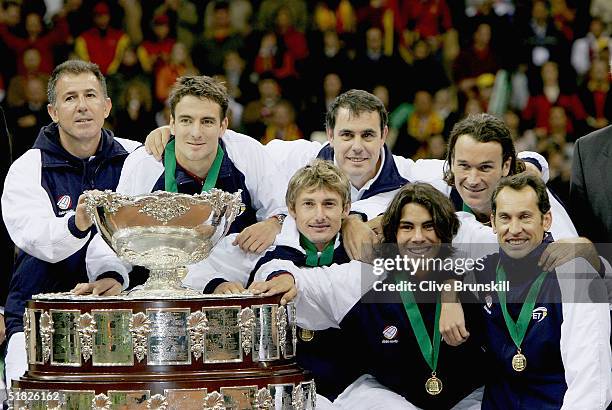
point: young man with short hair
(204, 154)
(481, 152)
(317, 199)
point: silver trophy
(163, 231)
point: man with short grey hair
(41, 202)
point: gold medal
(306, 335)
(519, 361)
(433, 385)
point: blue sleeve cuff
(278, 273)
(113, 275)
(76, 232)
(534, 162)
(363, 216)
(212, 285)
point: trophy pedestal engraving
(236, 351)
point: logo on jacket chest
(538, 314)
(390, 334)
(64, 203)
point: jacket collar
(48, 141)
(389, 178)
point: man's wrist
(75, 230)
(280, 218)
(356, 216)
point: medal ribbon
(518, 330)
(312, 253)
(430, 354)
(170, 169)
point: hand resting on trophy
(101, 287)
(283, 283)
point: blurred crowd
(541, 65)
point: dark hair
(446, 223)
(357, 102)
(74, 67)
(520, 181)
(483, 128)
(200, 86)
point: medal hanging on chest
(518, 329)
(430, 348)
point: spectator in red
(180, 64)
(428, 19)
(294, 40)
(273, 57)
(478, 59)
(536, 113)
(152, 53)
(385, 15)
(17, 85)
(36, 38)
(102, 44)
(563, 17)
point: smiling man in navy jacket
(548, 335)
(40, 202)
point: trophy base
(171, 293)
(210, 352)
(165, 284)
(287, 387)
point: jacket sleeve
(562, 225)
(226, 262)
(585, 343)
(263, 179)
(29, 215)
(289, 156)
(325, 294)
(430, 171)
(101, 259)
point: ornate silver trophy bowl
(163, 231)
